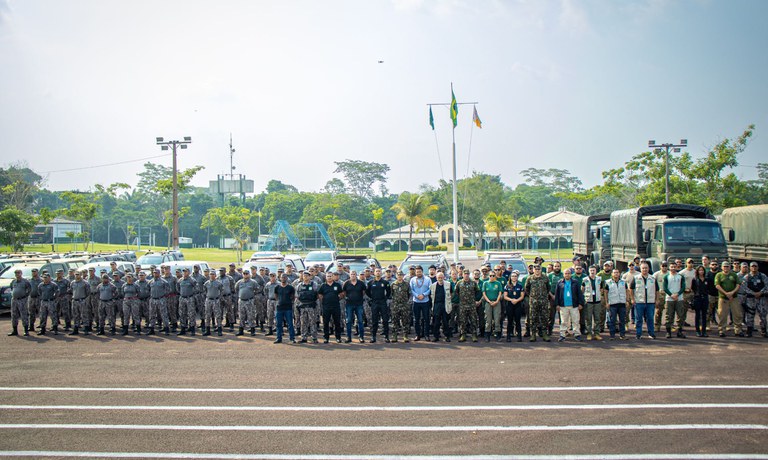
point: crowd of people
(443, 303)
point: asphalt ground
(184, 397)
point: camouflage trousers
(172, 306)
(247, 313)
(158, 307)
(187, 313)
(131, 309)
(401, 320)
(213, 309)
(93, 307)
(271, 306)
(468, 319)
(367, 312)
(33, 309)
(107, 311)
(308, 322)
(144, 309)
(200, 305)
(64, 305)
(48, 308)
(19, 310)
(759, 307)
(229, 308)
(81, 313)
(261, 309)
(538, 310)
(660, 312)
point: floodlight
(183, 146)
(651, 143)
(163, 147)
(159, 139)
(187, 139)
(684, 142)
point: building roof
(60, 220)
(562, 215)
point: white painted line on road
(179, 455)
(391, 390)
(383, 428)
(389, 408)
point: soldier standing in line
(290, 273)
(269, 289)
(306, 292)
(755, 288)
(144, 295)
(107, 294)
(379, 292)
(131, 304)
(537, 291)
(260, 302)
(63, 300)
(200, 280)
(158, 296)
(172, 303)
(33, 302)
(467, 291)
(93, 299)
(401, 308)
(213, 289)
(227, 287)
(48, 292)
(660, 299)
(117, 305)
(81, 291)
(20, 290)
(246, 293)
(187, 290)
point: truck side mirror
(647, 236)
(596, 233)
(731, 235)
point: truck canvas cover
(581, 227)
(625, 230)
(749, 222)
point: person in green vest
(491, 292)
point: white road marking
(393, 390)
(383, 428)
(388, 408)
(216, 456)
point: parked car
(514, 259)
(157, 258)
(122, 265)
(182, 264)
(272, 263)
(298, 262)
(356, 263)
(320, 257)
(425, 259)
(26, 271)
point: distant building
(59, 230)
(397, 239)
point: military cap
(400, 272)
(246, 272)
(60, 270)
(185, 269)
(231, 264)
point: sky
(576, 85)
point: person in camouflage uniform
(81, 291)
(20, 290)
(401, 308)
(187, 290)
(246, 290)
(172, 299)
(537, 290)
(269, 290)
(158, 291)
(63, 304)
(107, 295)
(212, 289)
(467, 290)
(33, 302)
(131, 304)
(48, 292)
(306, 293)
(93, 299)
(755, 287)
(260, 301)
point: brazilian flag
(454, 108)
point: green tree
(81, 208)
(18, 186)
(557, 180)
(361, 176)
(15, 227)
(275, 186)
(498, 223)
(415, 209)
(234, 222)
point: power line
(106, 164)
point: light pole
(675, 148)
(164, 146)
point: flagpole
(456, 241)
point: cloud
(573, 18)
(5, 12)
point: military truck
(750, 225)
(592, 239)
(666, 232)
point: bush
(437, 248)
(467, 248)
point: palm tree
(415, 209)
(497, 223)
(517, 228)
(525, 221)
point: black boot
(14, 331)
(253, 332)
(218, 331)
(166, 330)
(26, 331)
(138, 330)
(101, 331)
(239, 332)
(192, 331)
(183, 331)
(112, 330)
(270, 332)
(41, 331)
(207, 332)
(487, 336)
(68, 326)
(31, 325)
(669, 333)
(125, 330)
(151, 331)
(55, 329)
(74, 331)
(87, 330)
(749, 331)
(509, 337)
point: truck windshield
(693, 233)
(605, 235)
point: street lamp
(164, 146)
(675, 148)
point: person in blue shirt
(569, 301)
(514, 296)
(421, 303)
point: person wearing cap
(379, 292)
(158, 298)
(727, 284)
(234, 274)
(226, 301)
(107, 296)
(48, 293)
(212, 312)
(604, 275)
(467, 291)
(688, 273)
(401, 309)
(755, 287)
(118, 302)
(660, 299)
(81, 291)
(144, 295)
(63, 303)
(131, 307)
(246, 290)
(537, 290)
(307, 294)
(674, 288)
(643, 292)
(33, 301)
(187, 290)
(20, 290)
(172, 298)
(260, 302)
(492, 295)
(554, 275)
(269, 290)
(93, 279)
(200, 278)
(114, 269)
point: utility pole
(675, 148)
(175, 211)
